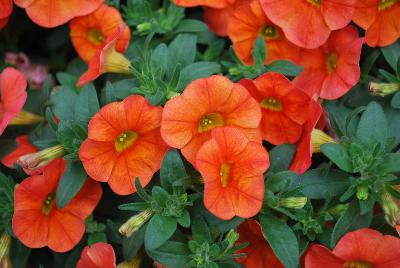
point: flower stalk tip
(135, 222)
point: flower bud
(135, 263)
(391, 209)
(383, 89)
(135, 222)
(293, 202)
(144, 27)
(25, 118)
(41, 158)
(232, 237)
(5, 242)
(234, 71)
(362, 192)
(318, 138)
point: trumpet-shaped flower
(308, 23)
(247, 24)
(124, 143)
(38, 222)
(90, 31)
(6, 7)
(285, 109)
(205, 104)
(333, 69)
(232, 167)
(99, 255)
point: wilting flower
(107, 59)
(38, 222)
(52, 13)
(364, 248)
(285, 109)
(90, 31)
(135, 222)
(333, 69)
(308, 23)
(232, 167)
(258, 253)
(205, 104)
(99, 255)
(247, 24)
(380, 19)
(34, 162)
(124, 143)
(6, 7)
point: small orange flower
(53, 13)
(88, 32)
(380, 19)
(107, 59)
(333, 69)
(308, 23)
(208, 3)
(99, 255)
(285, 109)
(247, 24)
(13, 95)
(205, 104)
(259, 254)
(124, 143)
(6, 7)
(38, 222)
(232, 167)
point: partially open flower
(135, 222)
(33, 161)
(318, 138)
(99, 255)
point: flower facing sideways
(99, 255)
(285, 109)
(364, 248)
(232, 167)
(38, 222)
(88, 32)
(124, 143)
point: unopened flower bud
(172, 94)
(26, 118)
(362, 192)
(135, 222)
(135, 263)
(337, 211)
(234, 71)
(391, 209)
(293, 202)
(383, 89)
(5, 242)
(144, 27)
(42, 158)
(232, 237)
(318, 138)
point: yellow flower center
(271, 104)
(269, 32)
(385, 4)
(224, 174)
(331, 62)
(316, 3)
(357, 264)
(125, 140)
(95, 36)
(210, 121)
(48, 203)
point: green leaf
(172, 254)
(195, 71)
(107, 95)
(131, 245)
(280, 181)
(321, 183)
(124, 88)
(369, 63)
(396, 101)
(97, 237)
(67, 80)
(173, 170)
(71, 182)
(259, 52)
(184, 221)
(181, 50)
(281, 156)
(71, 134)
(200, 230)
(373, 127)
(338, 155)
(159, 59)
(87, 104)
(284, 67)
(137, 206)
(392, 54)
(63, 100)
(390, 163)
(282, 240)
(191, 26)
(158, 231)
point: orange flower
(99, 255)
(308, 23)
(124, 142)
(258, 253)
(107, 59)
(333, 69)
(13, 95)
(88, 32)
(38, 222)
(209, 3)
(247, 24)
(284, 108)
(303, 157)
(364, 248)
(205, 104)
(6, 7)
(232, 167)
(380, 19)
(53, 13)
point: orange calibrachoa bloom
(333, 69)
(285, 109)
(53, 13)
(364, 248)
(38, 222)
(6, 7)
(232, 167)
(123, 143)
(107, 59)
(247, 24)
(209, 3)
(88, 32)
(13, 95)
(380, 19)
(259, 254)
(205, 104)
(99, 255)
(308, 23)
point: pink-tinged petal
(99, 255)
(23, 147)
